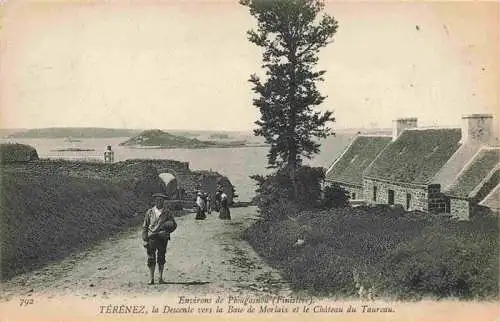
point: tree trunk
(292, 144)
(292, 169)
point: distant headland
(161, 139)
(74, 133)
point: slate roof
(349, 167)
(478, 173)
(485, 187)
(416, 156)
(453, 167)
(492, 200)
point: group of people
(159, 223)
(204, 205)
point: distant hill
(7, 132)
(219, 136)
(74, 132)
(158, 138)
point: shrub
(449, 259)
(321, 272)
(400, 254)
(275, 195)
(309, 186)
(335, 197)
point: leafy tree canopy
(291, 34)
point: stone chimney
(399, 125)
(477, 128)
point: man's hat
(160, 195)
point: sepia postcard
(242, 160)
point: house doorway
(408, 201)
(390, 197)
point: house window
(353, 196)
(408, 201)
(447, 208)
(374, 193)
(390, 197)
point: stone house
(473, 184)
(348, 168)
(404, 172)
(432, 170)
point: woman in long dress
(200, 207)
(224, 208)
(217, 200)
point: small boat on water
(69, 139)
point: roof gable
(454, 166)
(349, 167)
(416, 156)
(481, 171)
(492, 200)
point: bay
(238, 164)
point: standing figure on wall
(200, 207)
(109, 155)
(224, 207)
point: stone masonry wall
(419, 195)
(459, 208)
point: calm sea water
(235, 163)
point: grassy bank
(45, 217)
(387, 252)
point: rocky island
(161, 139)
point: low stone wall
(15, 152)
(135, 171)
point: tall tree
(291, 33)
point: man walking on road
(159, 222)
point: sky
(186, 64)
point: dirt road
(203, 257)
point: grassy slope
(45, 217)
(400, 255)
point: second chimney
(477, 128)
(399, 125)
